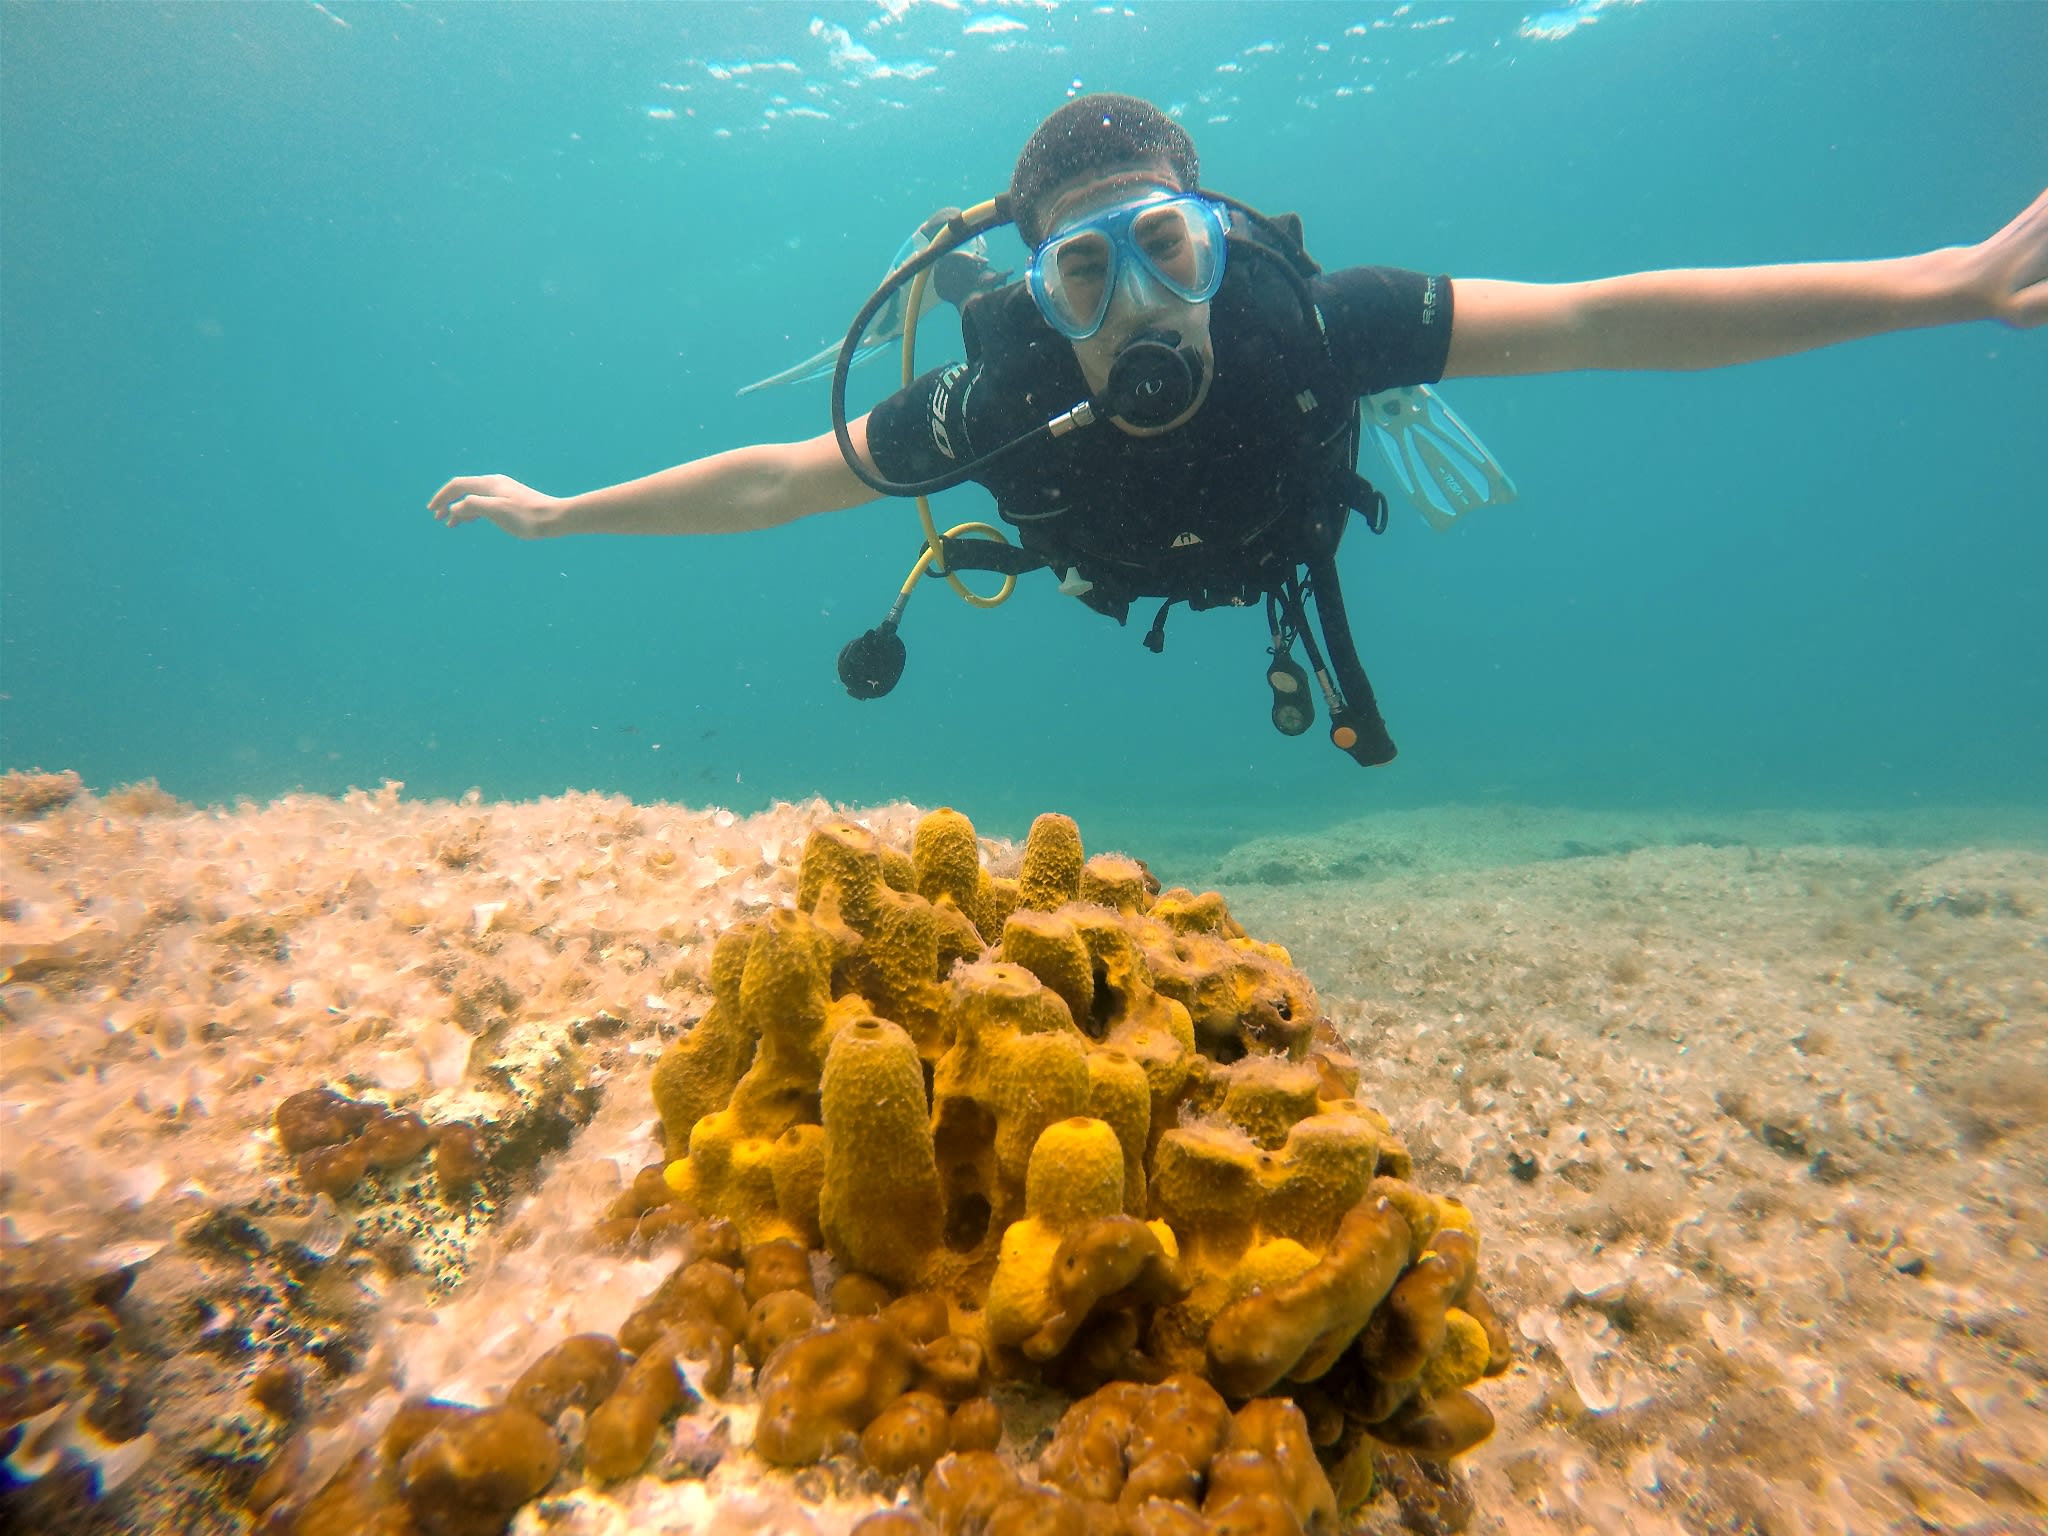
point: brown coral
(820, 1391)
(1297, 1330)
(468, 1475)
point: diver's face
(1137, 304)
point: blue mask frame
(1205, 220)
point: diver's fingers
(465, 510)
(466, 485)
(515, 517)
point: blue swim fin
(885, 331)
(1435, 460)
(819, 365)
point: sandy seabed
(1752, 1112)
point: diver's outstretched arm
(732, 492)
(1710, 318)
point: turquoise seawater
(269, 274)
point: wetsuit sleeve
(920, 432)
(1387, 326)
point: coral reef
(1117, 1151)
(1751, 1132)
(1047, 1125)
(1116, 1144)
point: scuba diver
(1169, 405)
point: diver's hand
(519, 509)
(2009, 272)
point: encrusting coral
(1166, 1460)
(1058, 1127)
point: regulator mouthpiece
(1154, 379)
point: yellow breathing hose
(934, 557)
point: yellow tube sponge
(946, 859)
(1051, 949)
(1242, 996)
(880, 1210)
(1051, 874)
(1016, 1065)
(959, 939)
(1116, 881)
(1076, 1174)
(1267, 1096)
(696, 1074)
(896, 967)
(1325, 1167)
(729, 1174)
(1119, 1096)
(898, 873)
(1206, 1184)
(1270, 1265)
(893, 945)
(785, 988)
(1184, 912)
(1075, 1248)
(796, 1169)
(845, 856)
(995, 898)
(1220, 1186)
(785, 994)
(1152, 1030)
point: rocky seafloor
(1752, 1111)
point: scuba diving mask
(1177, 240)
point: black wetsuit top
(1110, 492)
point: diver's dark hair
(1096, 133)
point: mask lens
(1075, 273)
(1178, 243)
